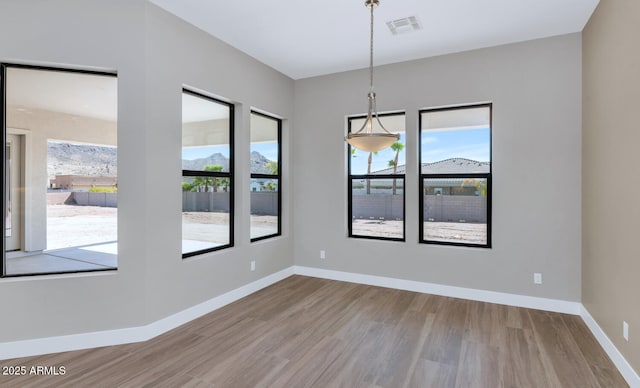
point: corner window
(60, 194)
(455, 175)
(207, 174)
(266, 134)
(376, 185)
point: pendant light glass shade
(372, 142)
(367, 138)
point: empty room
(366, 193)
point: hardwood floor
(308, 332)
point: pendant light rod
(371, 4)
(365, 138)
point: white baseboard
(618, 360)
(41, 346)
(65, 343)
(561, 306)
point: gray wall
(535, 88)
(155, 54)
(610, 264)
(264, 203)
(453, 208)
(205, 202)
(387, 206)
(94, 199)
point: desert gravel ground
(438, 231)
(71, 225)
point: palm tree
(199, 182)
(273, 167)
(271, 186)
(186, 186)
(397, 147)
(214, 168)
(369, 169)
(207, 181)
(479, 184)
(392, 163)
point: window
(376, 185)
(60, 194)
(266, 134)
(455, 175)
(207, 174)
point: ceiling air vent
(404, 25)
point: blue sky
(472, 144)
(436, 145)
(268, 150)
(191, 153)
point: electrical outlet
(537, 278)
(625, 330)
(323, 255)
(253, 265)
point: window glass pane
(264, 207)
(455, 167)
(62, 171)
(377, 207)
(462, 134)
(455, 210)
(377, 204)
(205, 213)
(205, 134)
(264, 145)
(265, 191)
(383, 161)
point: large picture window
(266, 160)
(60, 194)
(455, 175)
(376, 185)
(207, 174)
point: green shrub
(103, 189)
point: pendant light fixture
(366, 139)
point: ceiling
(303, 39)
(73, 93)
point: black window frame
(424, 176)
(277, 177)
(352, 177)
(3, 98)
(217, 174)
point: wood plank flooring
(308, 332)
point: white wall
(536, 93)
(154, 54)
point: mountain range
(259, 163)
(81, 159)
(95, 160)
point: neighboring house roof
(447, 166)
